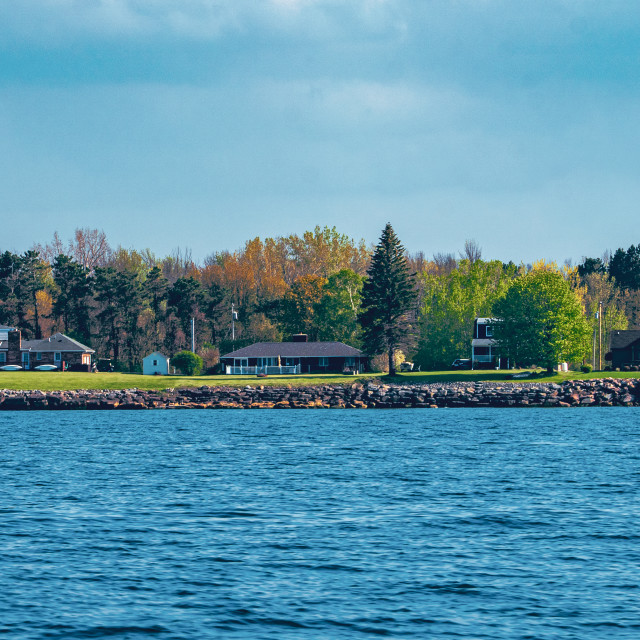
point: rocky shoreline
(607, 392)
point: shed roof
(156, 354)
(621, 339)
(296, 350)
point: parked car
(461, 363)
(105, 364)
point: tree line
(127, 302)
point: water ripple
(306, 525)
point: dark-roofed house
(56, 350)
(294, 357)
(624, 348)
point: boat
(11, 367)
(46, 367)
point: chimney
(15, 344)
(299, 337)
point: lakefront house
(484, 351)
(58, 350)
(624, 348)
(298, 356)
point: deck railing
(249, 371)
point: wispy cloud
(62, 19)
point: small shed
(155, 364)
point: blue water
(320, 524)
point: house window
(86, 358)
(155, 363)
(57, 356)
(39, 355)
(489, 331)
(323, 362)
(3, 357)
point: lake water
(472, 524)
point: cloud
(60, 20)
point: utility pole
(593, 352)
(600, 337)
(234, 317)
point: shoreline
(603, 392)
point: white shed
(155, 364)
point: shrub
(586, 368)
(607, 368)
(189, 363)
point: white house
(155, 364)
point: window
(323, 362)
(489, 331)
(86, 358)
(57, 356)
(3, 357)
(155, 363)
(39, 355)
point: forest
(125, 303)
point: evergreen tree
(71, 300)
(389, 298)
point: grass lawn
(69, 380)
(491, 375)
(56, 381)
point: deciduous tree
(541, 321)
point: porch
(246, 370)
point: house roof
(296, 350)
(156, 354)
(57, 342)
(621, 339)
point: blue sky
(204, 123)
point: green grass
(491, 375)
(68, 381)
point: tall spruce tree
(389, 298)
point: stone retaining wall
(606, 392)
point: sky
(201, 124)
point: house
(299, 356)
(155, 364)
(484, 350)
(624, 348)
(57, 350)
